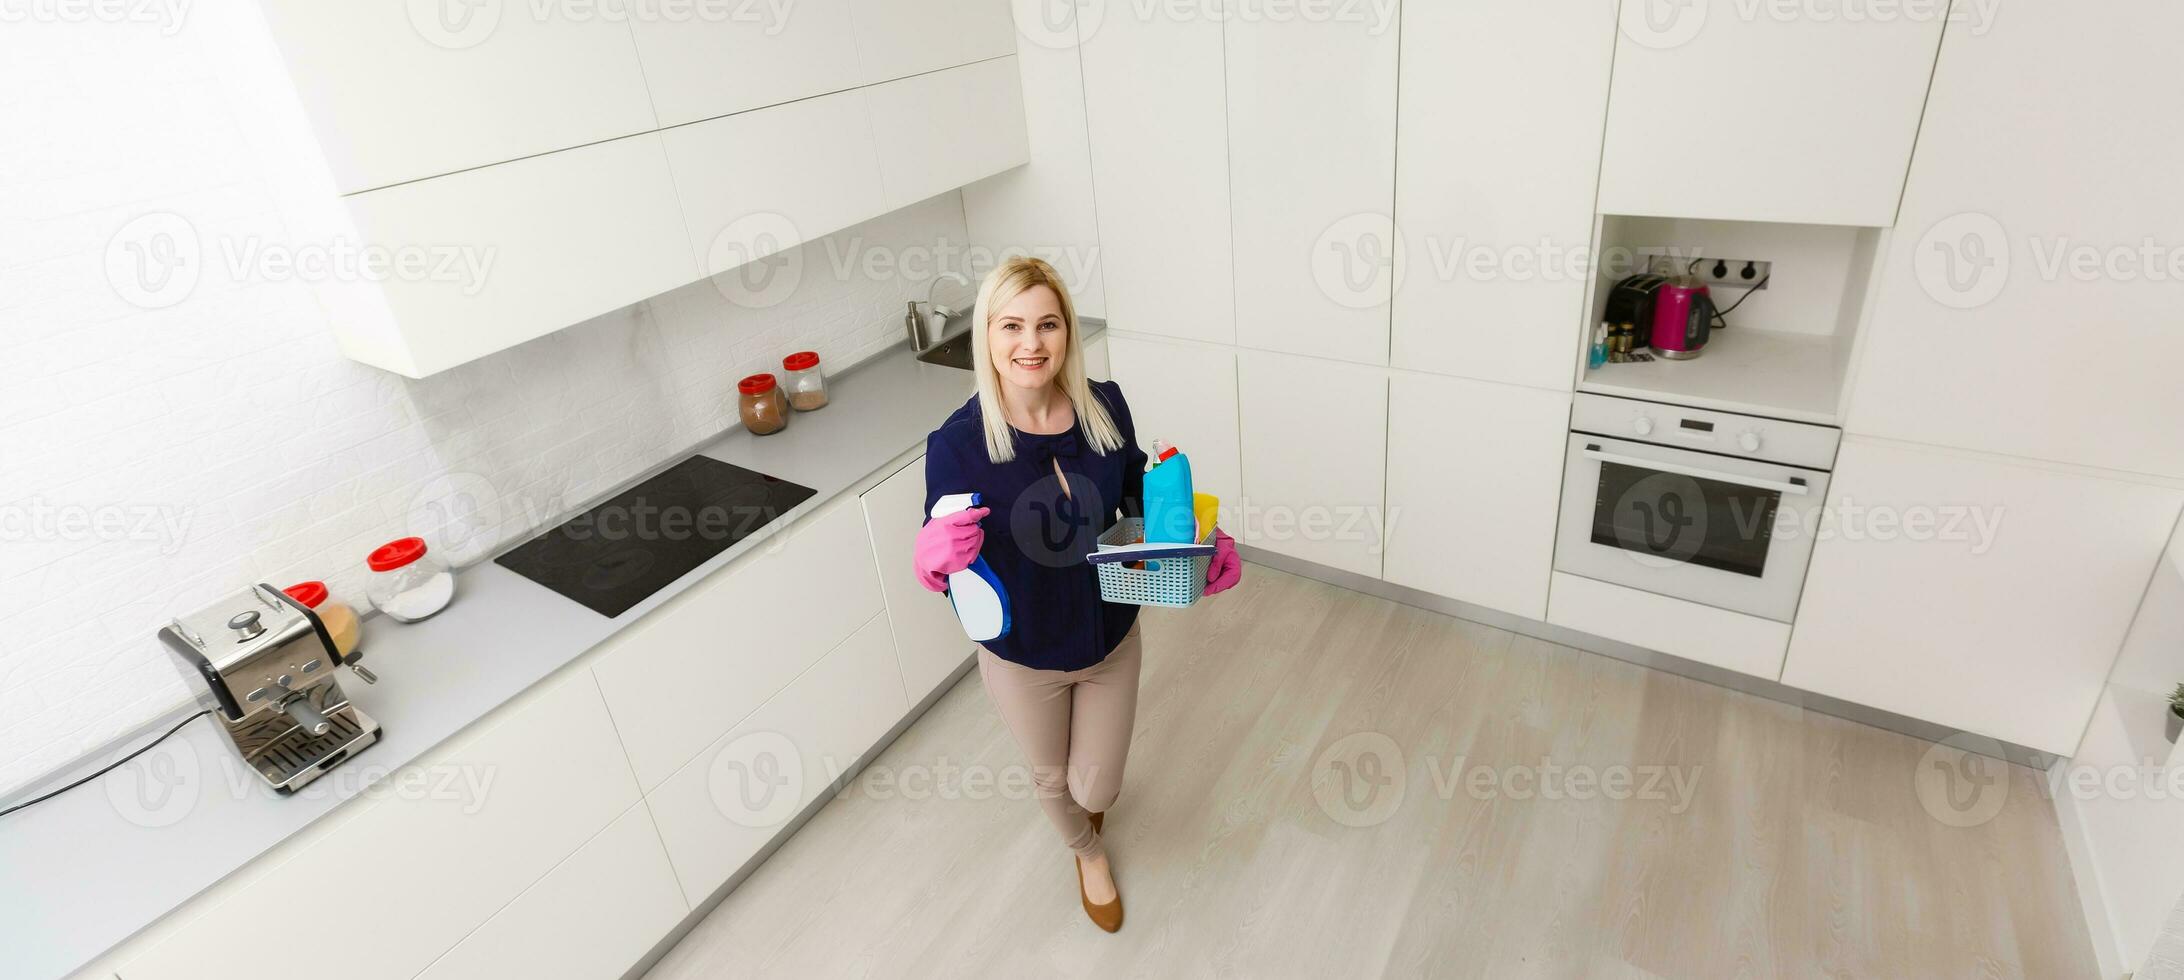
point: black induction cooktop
(614, 555)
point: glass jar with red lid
(408, 583)
(341, 622)
(763, 408)
(805, 383)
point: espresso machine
(265, 665)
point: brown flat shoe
(1109, 916)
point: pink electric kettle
(1683, 317)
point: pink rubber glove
(1225, 570)
(946, 545)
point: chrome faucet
(913, 319)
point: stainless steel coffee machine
(264, 664)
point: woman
(1054, 459)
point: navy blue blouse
(1037, 535)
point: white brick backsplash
(110, 409)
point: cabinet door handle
(1779, 486)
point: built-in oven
(1712, 507)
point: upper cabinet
(941, 130)
(1311, 133)
(1155, 106)
(1494, 196)
(398, 92)
(2037, 259)
(1767, 112)
(757, 183)
(529, 246)
(743, 56)
(898, 38)
(529, 167)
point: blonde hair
(1006, 282)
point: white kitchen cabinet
(762, 182)
(1311, 158)
(1156, 109)
(1186, 394)
(1494, 196)
(1314, 439)
(719, 811)
(452, 838)
(944, 129)
(712, 655)
(702, 60)
(1727, 109)
(511, 252)
(1474, 484)
(1975, 593)
(929, 643)
(1095, 360)
(2028, 301)
(898, 38)
(594, 916)
(398, 92)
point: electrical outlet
(1716, 272)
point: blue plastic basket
(1162, 582)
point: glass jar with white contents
(408, 583)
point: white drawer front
(594, 916)
(420, 869)
(706, 660)
(729, 802)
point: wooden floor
(1800, 847)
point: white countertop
(84, 871)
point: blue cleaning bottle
(1169, 517)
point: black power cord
(116, 764)
(1721, 315)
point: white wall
(225, 441)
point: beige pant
(1074, 728)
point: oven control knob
(1642, 425)
(1748, 440)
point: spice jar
(407, 583)
(764, 410)
(341, 622)
(807, 387)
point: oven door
(1724, 531)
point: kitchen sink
(955, 351)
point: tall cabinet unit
(1155, 106)
(2012, 278)
(1758, 112)
(1311, 174)
(2045, 278)
(1315, 444)
(1474, 482)
(1494, 196)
